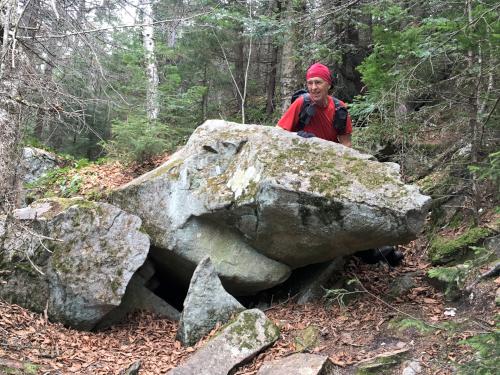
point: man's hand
(345, 140)
(304, 134)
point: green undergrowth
(27, 369)
(420, 326)
(452, 279)
(486, 347)
(63, 182)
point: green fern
(448, 274)
(408, 323)
(341, 295)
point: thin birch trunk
(288, 71)
(152, 101)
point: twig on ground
(290, 298)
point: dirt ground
(414, 323)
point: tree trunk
(239, 66)
(204, 98)
(474, 62)
(152, 102)
(271, 79)
(9, 112)
(289, 80)
(9, 148)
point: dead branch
(113, 28)
(493, 272)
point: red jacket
(321, 124)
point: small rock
(237, 343)
(300, 363)
(450, 311)
(133, 369)
(401, 285)
(382, 362)
(36, 162)
(307, 339)
(412, 368)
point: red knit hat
(319, 70)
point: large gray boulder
(71, 257)
(238, 342)
(206, 304)
(261, 201)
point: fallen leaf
(430, 301)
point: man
(319, 81)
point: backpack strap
(308, 109)
(340, 120)
(306, 112)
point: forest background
(100, 81)
(131, 79)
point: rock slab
(238, 342)
(206, 304)
(300, 363)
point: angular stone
(307, 339)
(401, 285)
(133, 369)
(35, 162)
(206, 304)
(73, 258)
(299, 363)
(382, 363)
(412, 368)
(238, 342)
(261, 201)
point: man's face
(318, 89)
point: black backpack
(308, 109)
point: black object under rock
(387, 254)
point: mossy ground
(444, 250)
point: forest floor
(416, 323)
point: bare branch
(114, 28)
